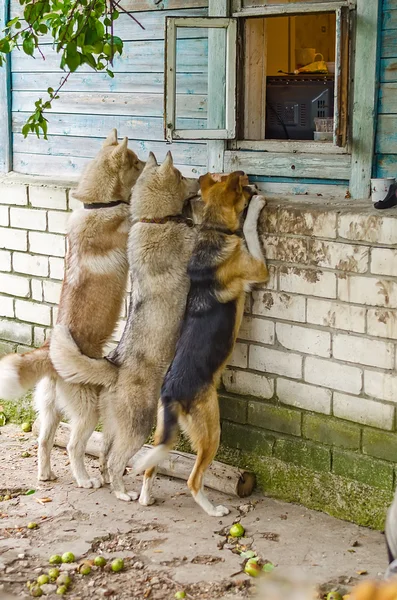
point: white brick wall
(381, 385)
(30, 264)
(274, 361)
(13, 239)
(382, 322)
(239, 357)
(4, 220)
(304, 339)
(311, 282)
(5, 260)
(6, 306)
(242, 382)
(257, 330)
(343, 257)
(301, 395)
(48, 197)
(26, 218)
(370, 291)
(364, 411)
(363, 351)
(13, 194)
(279, 305)
(12, 284)
(333, 375)
(47, 243)
(336, 315)
(384, 261)
(33, 312)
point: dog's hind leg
(49, 416)
(203, 428)
(121, 451)
(146, 498)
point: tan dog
(92, 293)
(221, 270)
(159, 248)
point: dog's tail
(75, 367)
(20, 372)
(169, 427)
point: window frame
(170, 130)
(343, 86)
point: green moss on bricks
(19, 411)
(363, 468)
(233, 409)
(380, 444)
(275, 418)
(302, 453)
(338, 496)
(333, 432)
(243, 437)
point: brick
(247, 303)
(305, 221)
(248, 384)
(47, 243)
(335, 255)
(274, 418)
(247, 439)
(30, 264)
(55, 311)
(286, 249)
(13, 239)
(268, 220)
(333, 375)
(33, 312)
(279, 306)
(362, 468)
(312, 282)
(4, 216)
(6, 307)
(52, 291)
(58, 221)
(367, 290)
(368, 228)
(382, 323)
(336, 315)
(301, 395)
(257, 330)
(275, 361)
(57, 268)
(6, 348)
(14, 285)
(381, 385)
(239, 358)
(5, 260)
(304, 339)
(380, 444)
(39, 336)
(37, 289)
(364, 411)
(305, 454)
(331, 431)
(233, 409)
(73, 203)
(384, 261)
(13, 194)
(11, 331)
(26, 218)
(48, 197)
(364, 351)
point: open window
(211, 51)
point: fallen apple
(53, 574)
(117, 565)
(42, 579)
(26, 427)
(100, 561)
(55, 559)
(237, 530)
(334, 596)
(68, 557)
(62, 590)
(252, 568)
(32, 525)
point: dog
(92, 293)
(159, 249)
(221, 270)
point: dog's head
(111, 174)
(162, 189)
(227, 198)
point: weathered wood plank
(388, 98)
(5, 103)
(189, 106)
(153, 22)
(141, 56)
(143, 128)
(322, 166)
(71, 167)
(389, 46)
(149, 83)
(389, 19)
(325, 190)
(386, 165)
(64, 145)
(389, 4)
(386, 139)
(146, 5)
(365, 92)
(388, 70)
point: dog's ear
(120, 153)
(206, 182)
(151, 161)
(111, 140)
(233, 182)
(168, 162)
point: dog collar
(222, 230)
(175, 218)
(105, 204)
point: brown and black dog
(221, 270)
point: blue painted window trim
(5, 101)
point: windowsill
(291, 146)
(22, 179)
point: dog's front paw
(92, 482)
(220, 511)
(47, 476)
(258, 202)
(146, 500)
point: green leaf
(5, 46)
(30, 492)
(110, 73)
(12, 22)
(248, 554)
(28, 46)
(43, 28)
(73, 61)
(25, 130)
(115, 15)
(50, 90)
(268, 567)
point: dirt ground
(169, 547)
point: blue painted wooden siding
(386, 138)
(92, 103)
(5, 102)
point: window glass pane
(200, 91)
